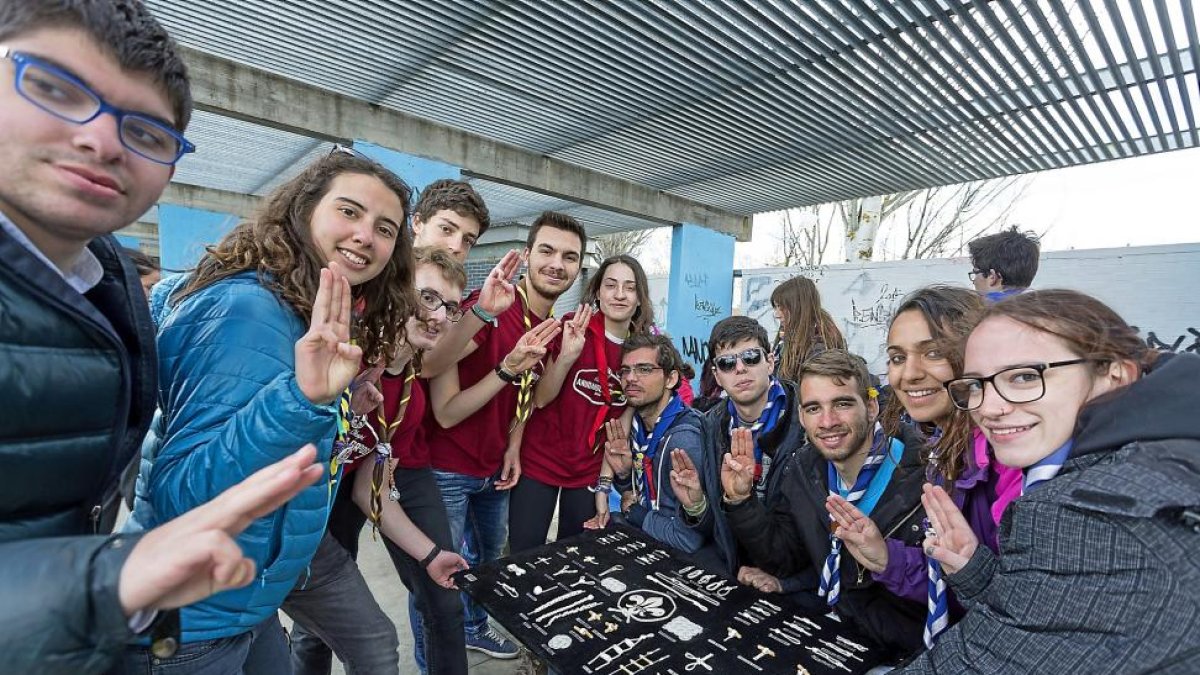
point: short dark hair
(1011, 254)
(145, 264)
(840, 366)
(124, 28)
(732, 330)
(667, 356)
(458, 196)
(559, 221)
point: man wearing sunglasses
(761, 410)
(663, 430)
(93, 101)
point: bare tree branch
(629, 242)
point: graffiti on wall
(1187, 343)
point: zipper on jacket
(95, 518)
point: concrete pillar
(416, 171)
(183, 233)
(700, 288)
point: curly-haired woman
(255, 348)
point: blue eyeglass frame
(22, 61)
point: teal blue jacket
(231, 406)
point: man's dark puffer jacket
(77, 387)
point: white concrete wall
(1156, 288)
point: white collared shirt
(83, 274)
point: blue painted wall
(700, 288)
(184, 232)
(416, 171)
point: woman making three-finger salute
(922, 354)
(255, 350)
(561, 453)
(1097, 570)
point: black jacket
(77, 387)
(792, 537)
(1099, 567)
(721, 551)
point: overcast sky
(1135, 202)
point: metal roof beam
(235, 90)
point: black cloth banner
(617, 602)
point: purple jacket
(982, 492)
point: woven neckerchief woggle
(831, 575)
(645, 449)
(772, 413)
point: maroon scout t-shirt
(475, 447)
(561, 440)
(408, 440)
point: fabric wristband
(697, 510)
(483, 315)
(433, 553)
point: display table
(616, 602)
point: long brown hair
(950, 313)
(277, 244)
(643, 316)
(806, 326)
(1089, 327)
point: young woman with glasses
(805, 328)
(257, 346)
(578, 397)
(922, 355)
(1097, 569)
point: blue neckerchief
(645, 448)
(872, 480)
(1046, 468)
(997, 296)
(774, 411)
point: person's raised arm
(452, 404)
(495, 296)
(574, 337)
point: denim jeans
(334, 603)
(263, 650)
(478, 513)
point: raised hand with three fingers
(737, 469)
(616, 448)
(326, 362)
(531, 347)
(498, 293)
(685, 480)
(952, 542)
(859, 534)
(574, 334)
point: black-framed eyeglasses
(431, 301)
(975, 273)
(750, 357)
(1018, 384)
(65, 96)
(642, 369)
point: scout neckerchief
(645, 448)
(937, 616)
(525, 381)
(383, 451)
(831, 576)
(772, 413)
(595, 330)
(342, 447)
(1047, 467)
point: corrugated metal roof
(747, 105)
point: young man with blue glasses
(93, 100)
